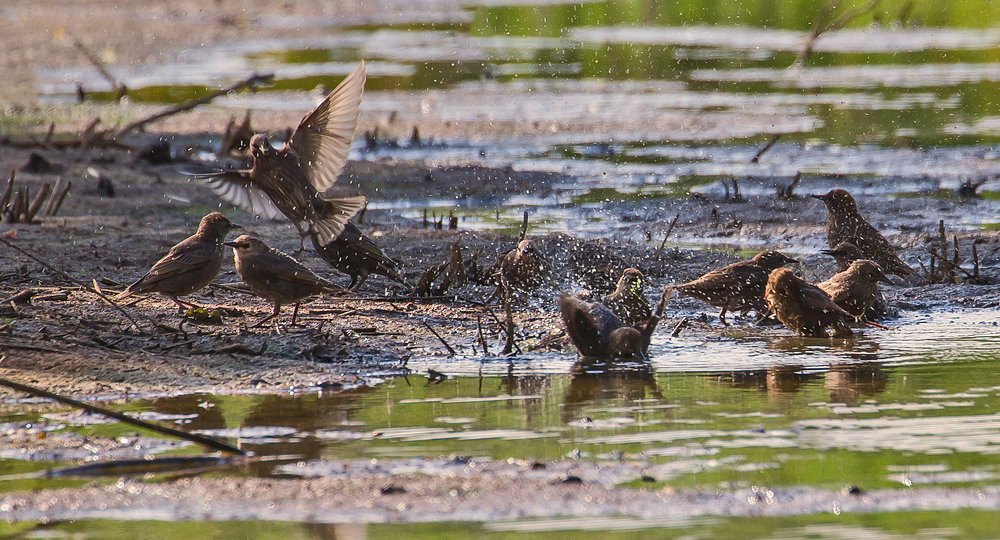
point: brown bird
(845, 224)
(276, 277)
(845, 253)
(289, 180)
(804, 307)
(737, 286)
(522, 267)
(598, 332)
(628, 301)
(189, 266)
(356, 255)
(855, 289)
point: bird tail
(332, 216)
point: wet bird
(289, 180)
(804, 307)
(855, 289)
(598, 332)
(845, 224)
(845, 253)
(522, 267)
(276, 277)
(189, 266)
(737, 286)
(357, 256)
(628, 301)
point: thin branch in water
(669, 229)
(451, 352)
(199, 439)
(756, 157)
(679, 326)
(524, 227)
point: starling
(597, 332)
(845, 224)
(855, 289)
(276, 277)
(737, 286)
(804, 307)
(628, 301)
(845, 253)
(189, 266)
(522, 267)
(290, 180)
(356, 255)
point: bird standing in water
(628, 301)
(855, 289)
(804, 307)
(189, 266)
(289, 180)
(597, 332)
(737, 286)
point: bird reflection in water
(595, 379)
(849, 383)
(776, 380)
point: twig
(767, 147)
(662, 304)
(508, 346)
(119, 88)
(788, 193)
(199, 439)
(451, 352)
(679, 326)
(669, 229)
(482, 338)
(252, 80)
(524, 227)
(820, 27)
(74, 280)
(975, 263)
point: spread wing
(324, 136)
(580, 325)
(237, 188)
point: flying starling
(276, 277)
(597, 332)
(855, 289)
(804, 307)
(628, 301)
(845, 224)
(845, 253)
(737, 286)
(289, 180)
(356, 255)
(189, 266)
(522, 267)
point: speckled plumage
(845, 223)
(189, 266)
(522, 267)
(855, 289)
(628, 301)
(737, 286)
(804, 307)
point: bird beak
(235, 226)
(884, 278)
(820, 197)
(828, 252)
(233, 245)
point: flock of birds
(289, 181)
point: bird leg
(302, 236)
(360, 282)
(182, 306)
(295, 313)
(877, 325)
(277, 309)
(722, 316)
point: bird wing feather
(236, 187)
(323, 138)
(815, 298)
(288, 269)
